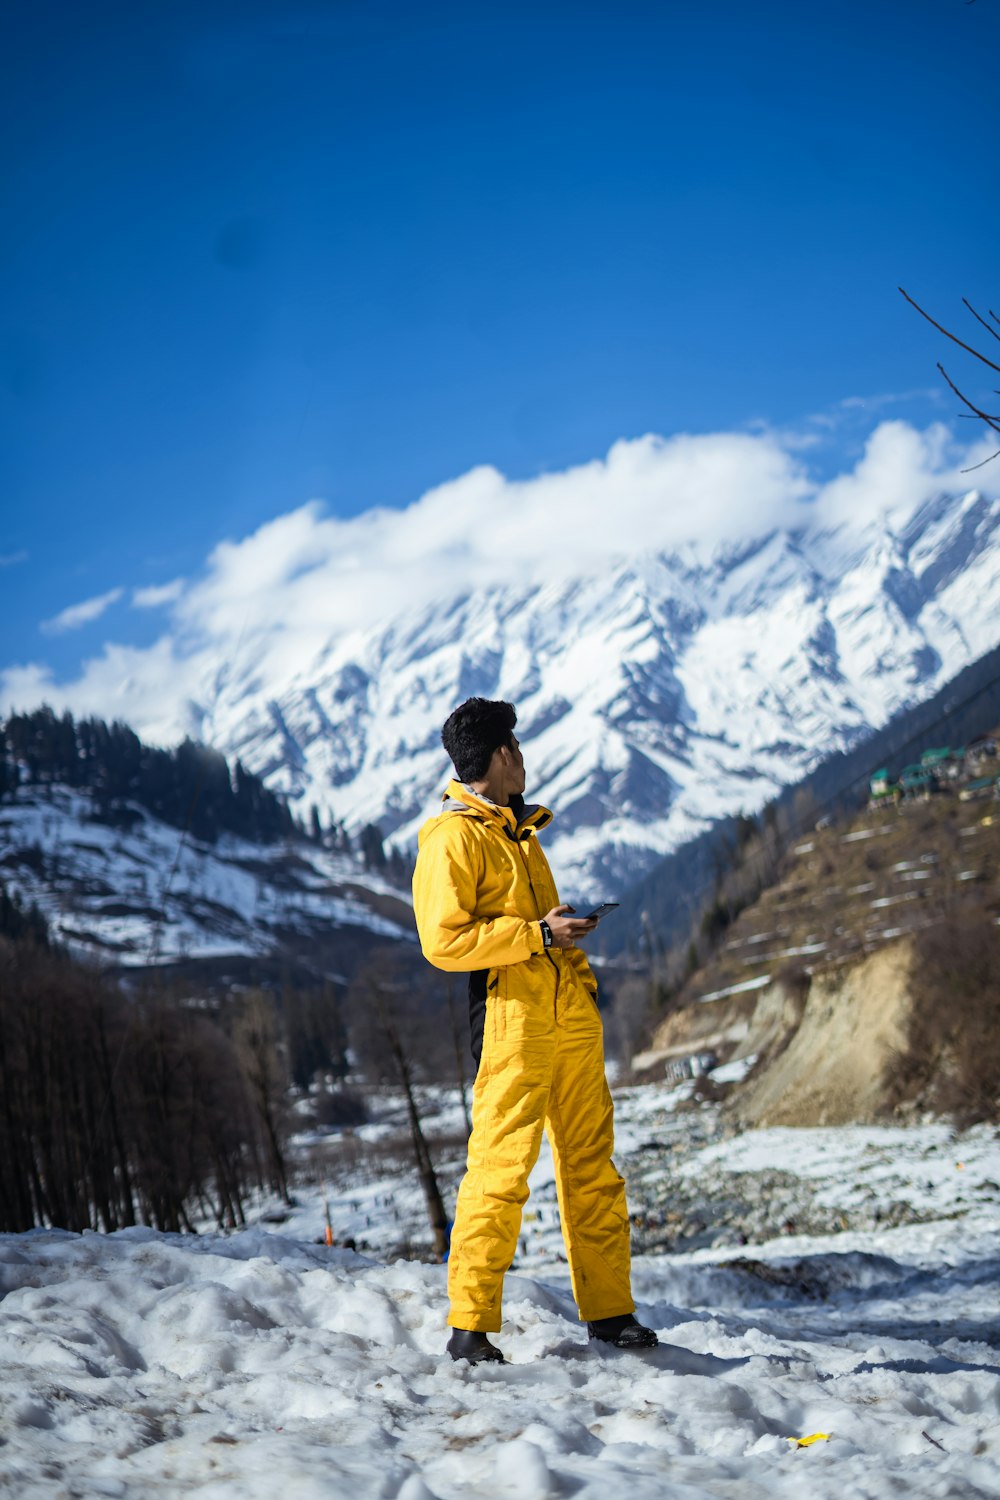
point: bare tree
(387, 1019)
(255, 1036)
(991, 323)
(117, 1109)
(629, 1019)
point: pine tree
(372, 851)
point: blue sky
(260, 254)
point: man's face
(515, 777)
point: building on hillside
(934, 758)
(917, 781)
(946, 764)
(983, 786)
(982, 747)
(882, 789)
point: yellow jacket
(480, 888)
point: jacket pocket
(523, 1007)
(491, 1001)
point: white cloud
(157, 595)
(81, 614)
(890, 398)
(272, 600)
(27, 685)
(899, 469)
(143, 685)
(11, 559)
(305, 569)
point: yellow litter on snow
(814, 1437)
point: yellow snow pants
(542, 1066)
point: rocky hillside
(857, 983)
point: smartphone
(601, 911)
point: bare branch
(979, 319)
(983, 416)
(933, 321)
(973, 467)
(991, 422)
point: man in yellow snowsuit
(486, 904)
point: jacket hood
(517, 820)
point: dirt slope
(838, 1063)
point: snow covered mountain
(653, 696)
(145, 894)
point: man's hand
(567, 931)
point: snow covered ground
(264, 1364)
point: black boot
(475, 1347)
(624, 1332)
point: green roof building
(932, 758)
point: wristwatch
(546, 934)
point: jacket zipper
(534, 897)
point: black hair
(472, 733)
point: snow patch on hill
(148, 893)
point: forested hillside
(156, 1100)
(144, 1105)
(142, 856)
(188, 787)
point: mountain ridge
(654, 697)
